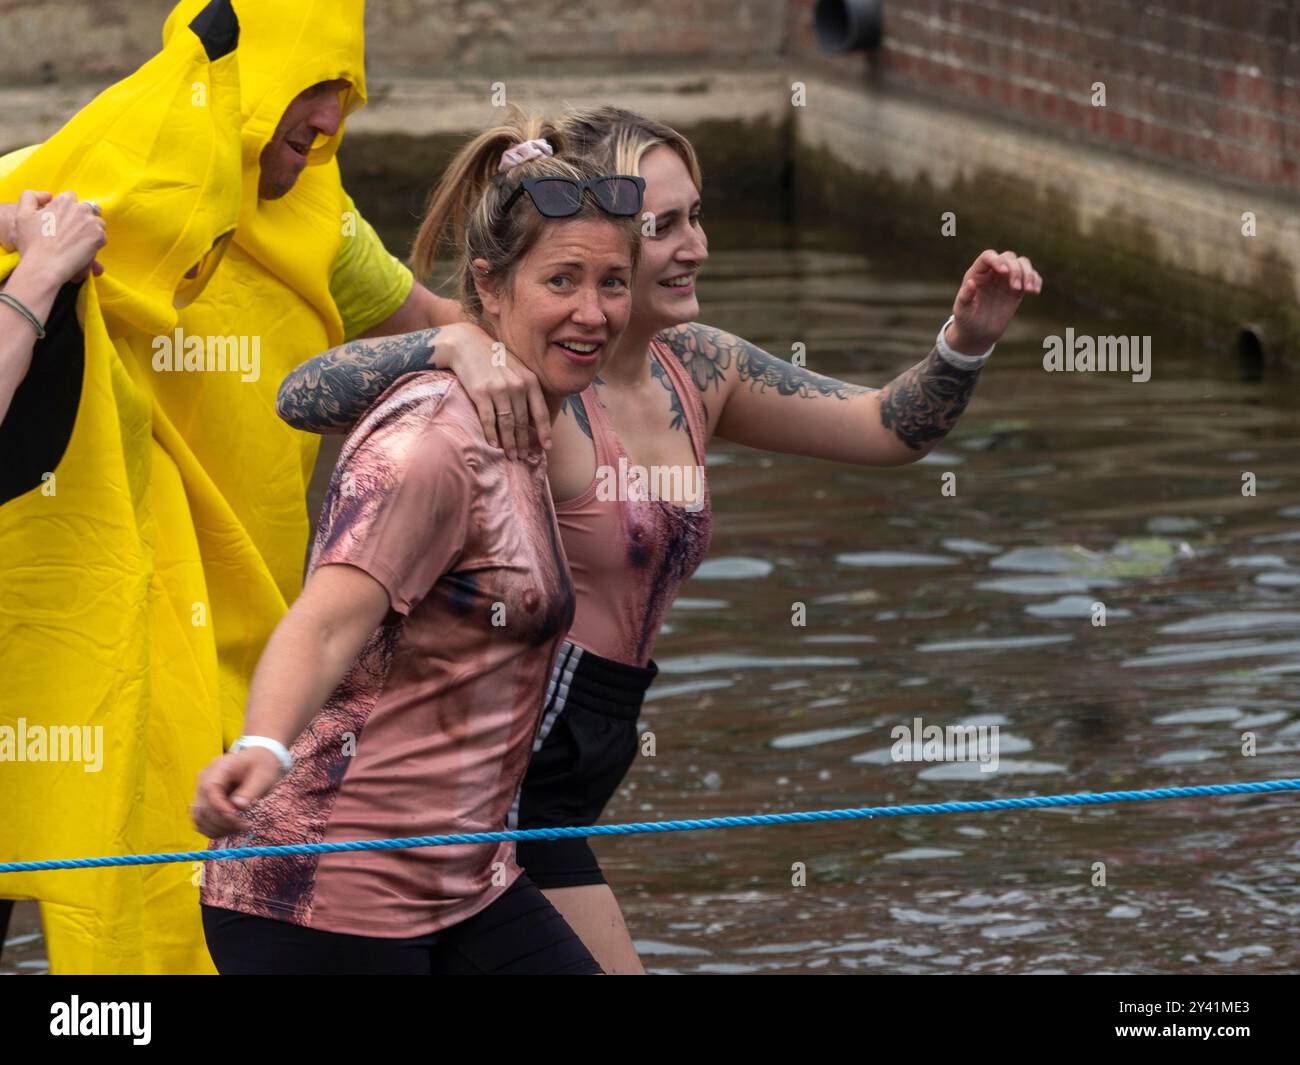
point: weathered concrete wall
(1109, 231)
(47, 41)
(500, 38)
(1211, 86)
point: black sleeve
(38, 425)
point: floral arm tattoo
(329, 393)
(707, 354)
(923, 404)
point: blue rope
(860, 813)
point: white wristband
(274, 746)
(955, 358)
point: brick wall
(546, 36)
(1210, 86)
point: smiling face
(566, 303)
(664, 294)
(317, 110)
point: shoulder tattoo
(675, 409)
(574, 405)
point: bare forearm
(302, 664)
(36, 290)
(329, 393)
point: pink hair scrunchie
(522, 153)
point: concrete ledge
(426, 106)
(1187, 223)
(422, 107)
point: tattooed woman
(402, 692)
(671, 385)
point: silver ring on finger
(94, 208)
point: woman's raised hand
(989, 296)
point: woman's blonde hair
(618, 139)
(469, 202)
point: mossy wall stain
(1112, 278)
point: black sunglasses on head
(561, 197)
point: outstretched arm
(765, 402)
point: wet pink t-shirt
(431, 729)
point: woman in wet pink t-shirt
(401, 694)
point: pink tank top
(628, 549)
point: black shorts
(585, 745)
(520, 934)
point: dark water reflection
(976, 608)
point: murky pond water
(975, 608)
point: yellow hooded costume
(226, 518)
(109, 704)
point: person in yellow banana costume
(158, 527)
(100, 567)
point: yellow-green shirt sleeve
(367, 283)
